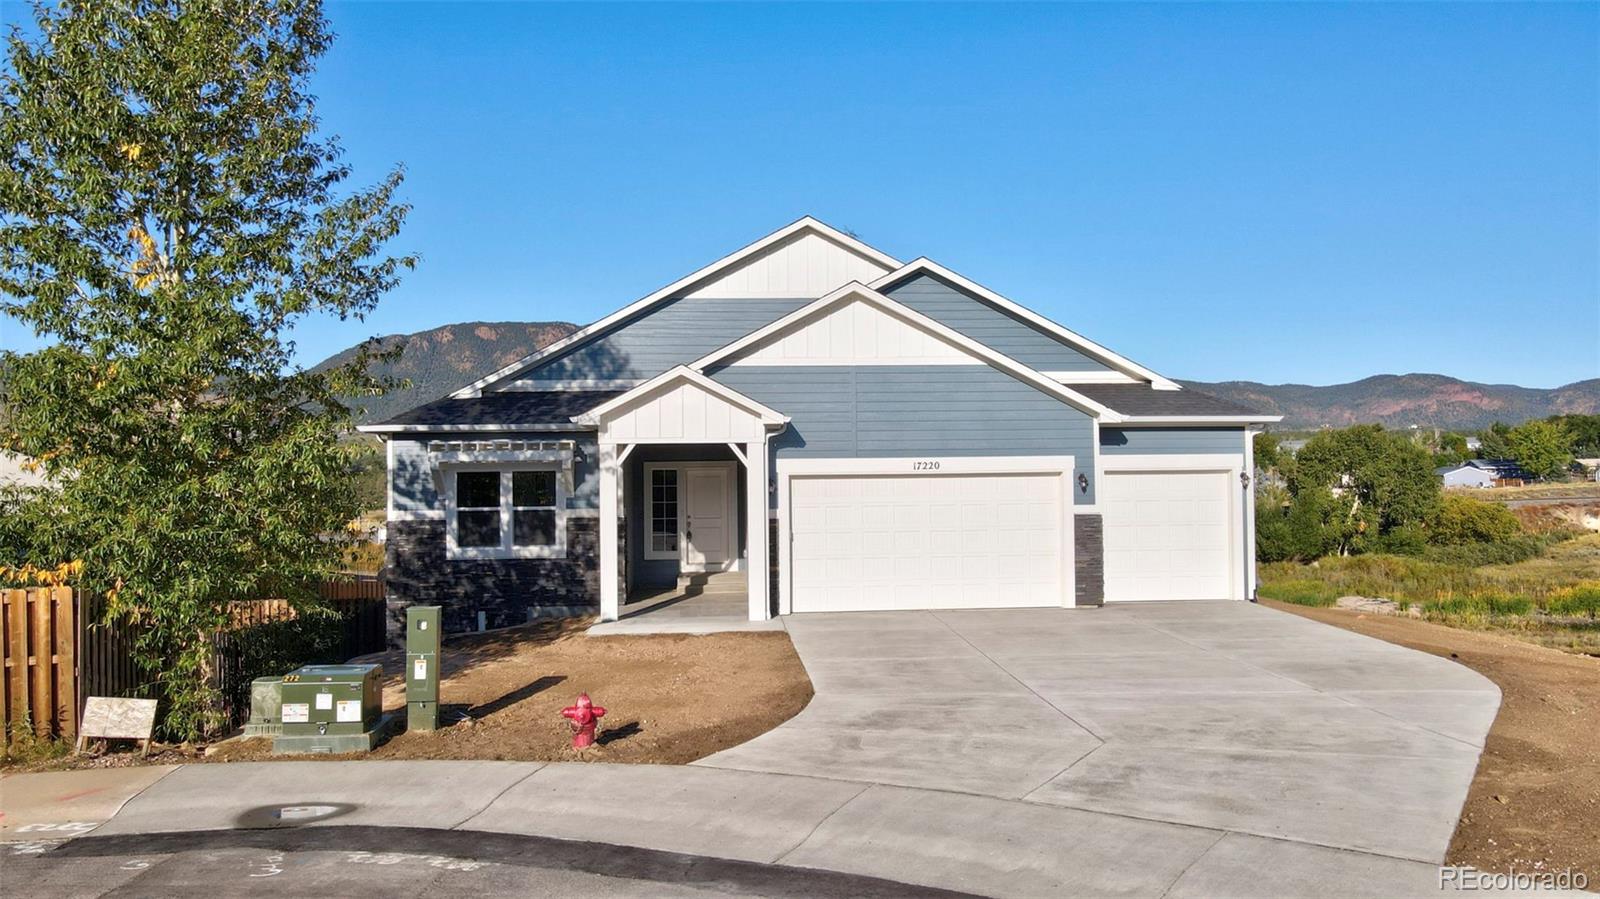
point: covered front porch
(684, 503)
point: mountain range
(442, 359)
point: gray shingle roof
(510, 408)
(1141, 399)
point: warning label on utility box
(419, 669)
(324, 700)
(296, 713)
(349, 710)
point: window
(498, 513)
(663, 493)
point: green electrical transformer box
(422, 667)
(331, 700)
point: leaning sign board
(109, 718)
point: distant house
(1464, 475)
(15, 470)
(1484, 473)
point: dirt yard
(1535, 801)
(669, 699)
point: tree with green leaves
(1543, 448)
(168, 214)
(1383, 482)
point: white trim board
(413, 429)
(1115, 360)
(857, 292)
(681, 285)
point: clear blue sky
(1285, 192)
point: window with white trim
(508, 512)
(662, 541)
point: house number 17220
(924, 466)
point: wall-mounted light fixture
(1083, 482)
(1244, 479)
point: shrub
(1300, 592)
(1583, 599)
(1471, 606)
(1462, 519)
(1503, 552)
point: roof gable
(1090, 349)
(939, 335)
(777, 252)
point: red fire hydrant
(584, 715)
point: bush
(1584, 599)
(1473, 606)
(1297, 529)
(1462, 519)
(1505, 552)
(1300, 592)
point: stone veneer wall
(508, 591)
(1088, 547)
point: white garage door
(956, 541)
(1167, 535)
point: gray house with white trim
(850, 431)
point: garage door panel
(1167, 535)
(918, 542)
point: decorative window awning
(451, 455)
(450, 452)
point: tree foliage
(168, 214)
(1543, 448)
(1382, 482)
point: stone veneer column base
(1088, 559)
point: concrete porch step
(719, 582)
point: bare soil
(669, 699)
(1535, 800)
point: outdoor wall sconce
(1083, 482)
(1244, 479)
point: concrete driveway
(1225, 716)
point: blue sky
(1287, 192)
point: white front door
(708, 518)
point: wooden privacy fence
(56, 653)
(41, 672)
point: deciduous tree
(170, 213)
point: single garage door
(1167, 535)
(955, 541)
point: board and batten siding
(1170, 441)
(413, 488)
(956, 309)
(674, 333)
(925, 410)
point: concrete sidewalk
(955, 841)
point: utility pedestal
(422, 667)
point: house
(846, 430)
(1464, 475)
(1504, 472)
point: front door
(708, 523)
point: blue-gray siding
(928, 410)
(412, 478)
(674, 333)
(1170, 441)
(984, 323)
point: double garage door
(944, 541)
(886, 541)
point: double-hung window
(506, 513)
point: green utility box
(422, 667)
(322, 700)
(266, 703)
